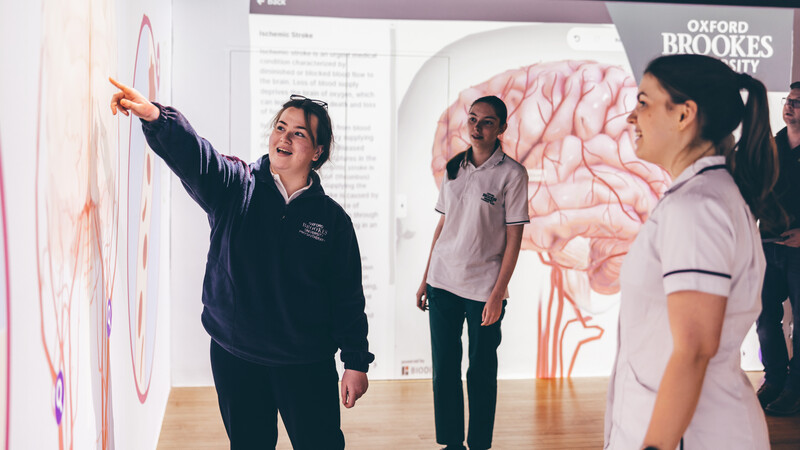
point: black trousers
(251, 395)
(781, 283)
(447, 313)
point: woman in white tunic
(692, 279)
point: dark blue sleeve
(207, 175)
(350, 326)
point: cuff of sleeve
(357, 360)
(517, 221)
(158, 123)
(690, 281)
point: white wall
(207, 36)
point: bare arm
(494, 304)
(422, 300)
(210, 178)
(696, 323)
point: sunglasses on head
(303, 98)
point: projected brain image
(588, 192)
(77, 207)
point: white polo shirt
(702, 237)
(478, 205)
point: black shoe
(768, 393)
(454, 447)
(787, 404)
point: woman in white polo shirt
(692, 279)
(483, 202)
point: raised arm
(208, 176)
(128, 100)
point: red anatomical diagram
(588, 192)
(76, 218)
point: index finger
(119, 85)
(349, 399)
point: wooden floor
(531, 414)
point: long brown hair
(715, 88)
(500, 110)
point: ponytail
(754, 163)
(715, 88)
(455, 163)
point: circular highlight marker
(59, 397)
(108, 317)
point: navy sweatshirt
(283, 282)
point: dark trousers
(250, 396)
(781, 281)
(447, 313)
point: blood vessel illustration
(77, 214)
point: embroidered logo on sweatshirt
(489, 198)
(314, 230)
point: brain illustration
(76, 214)
(588, 192)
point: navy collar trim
(498, 157)
(715, 167)
(716, 162)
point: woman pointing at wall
(282, 289)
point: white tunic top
(478, 205)
(702, 237)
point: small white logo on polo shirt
(489, 198)
(314, 230)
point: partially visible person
(282, 289)
(780, 392)
(692, 278)
(483, 202)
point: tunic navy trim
(707, 272)
(679, 184)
